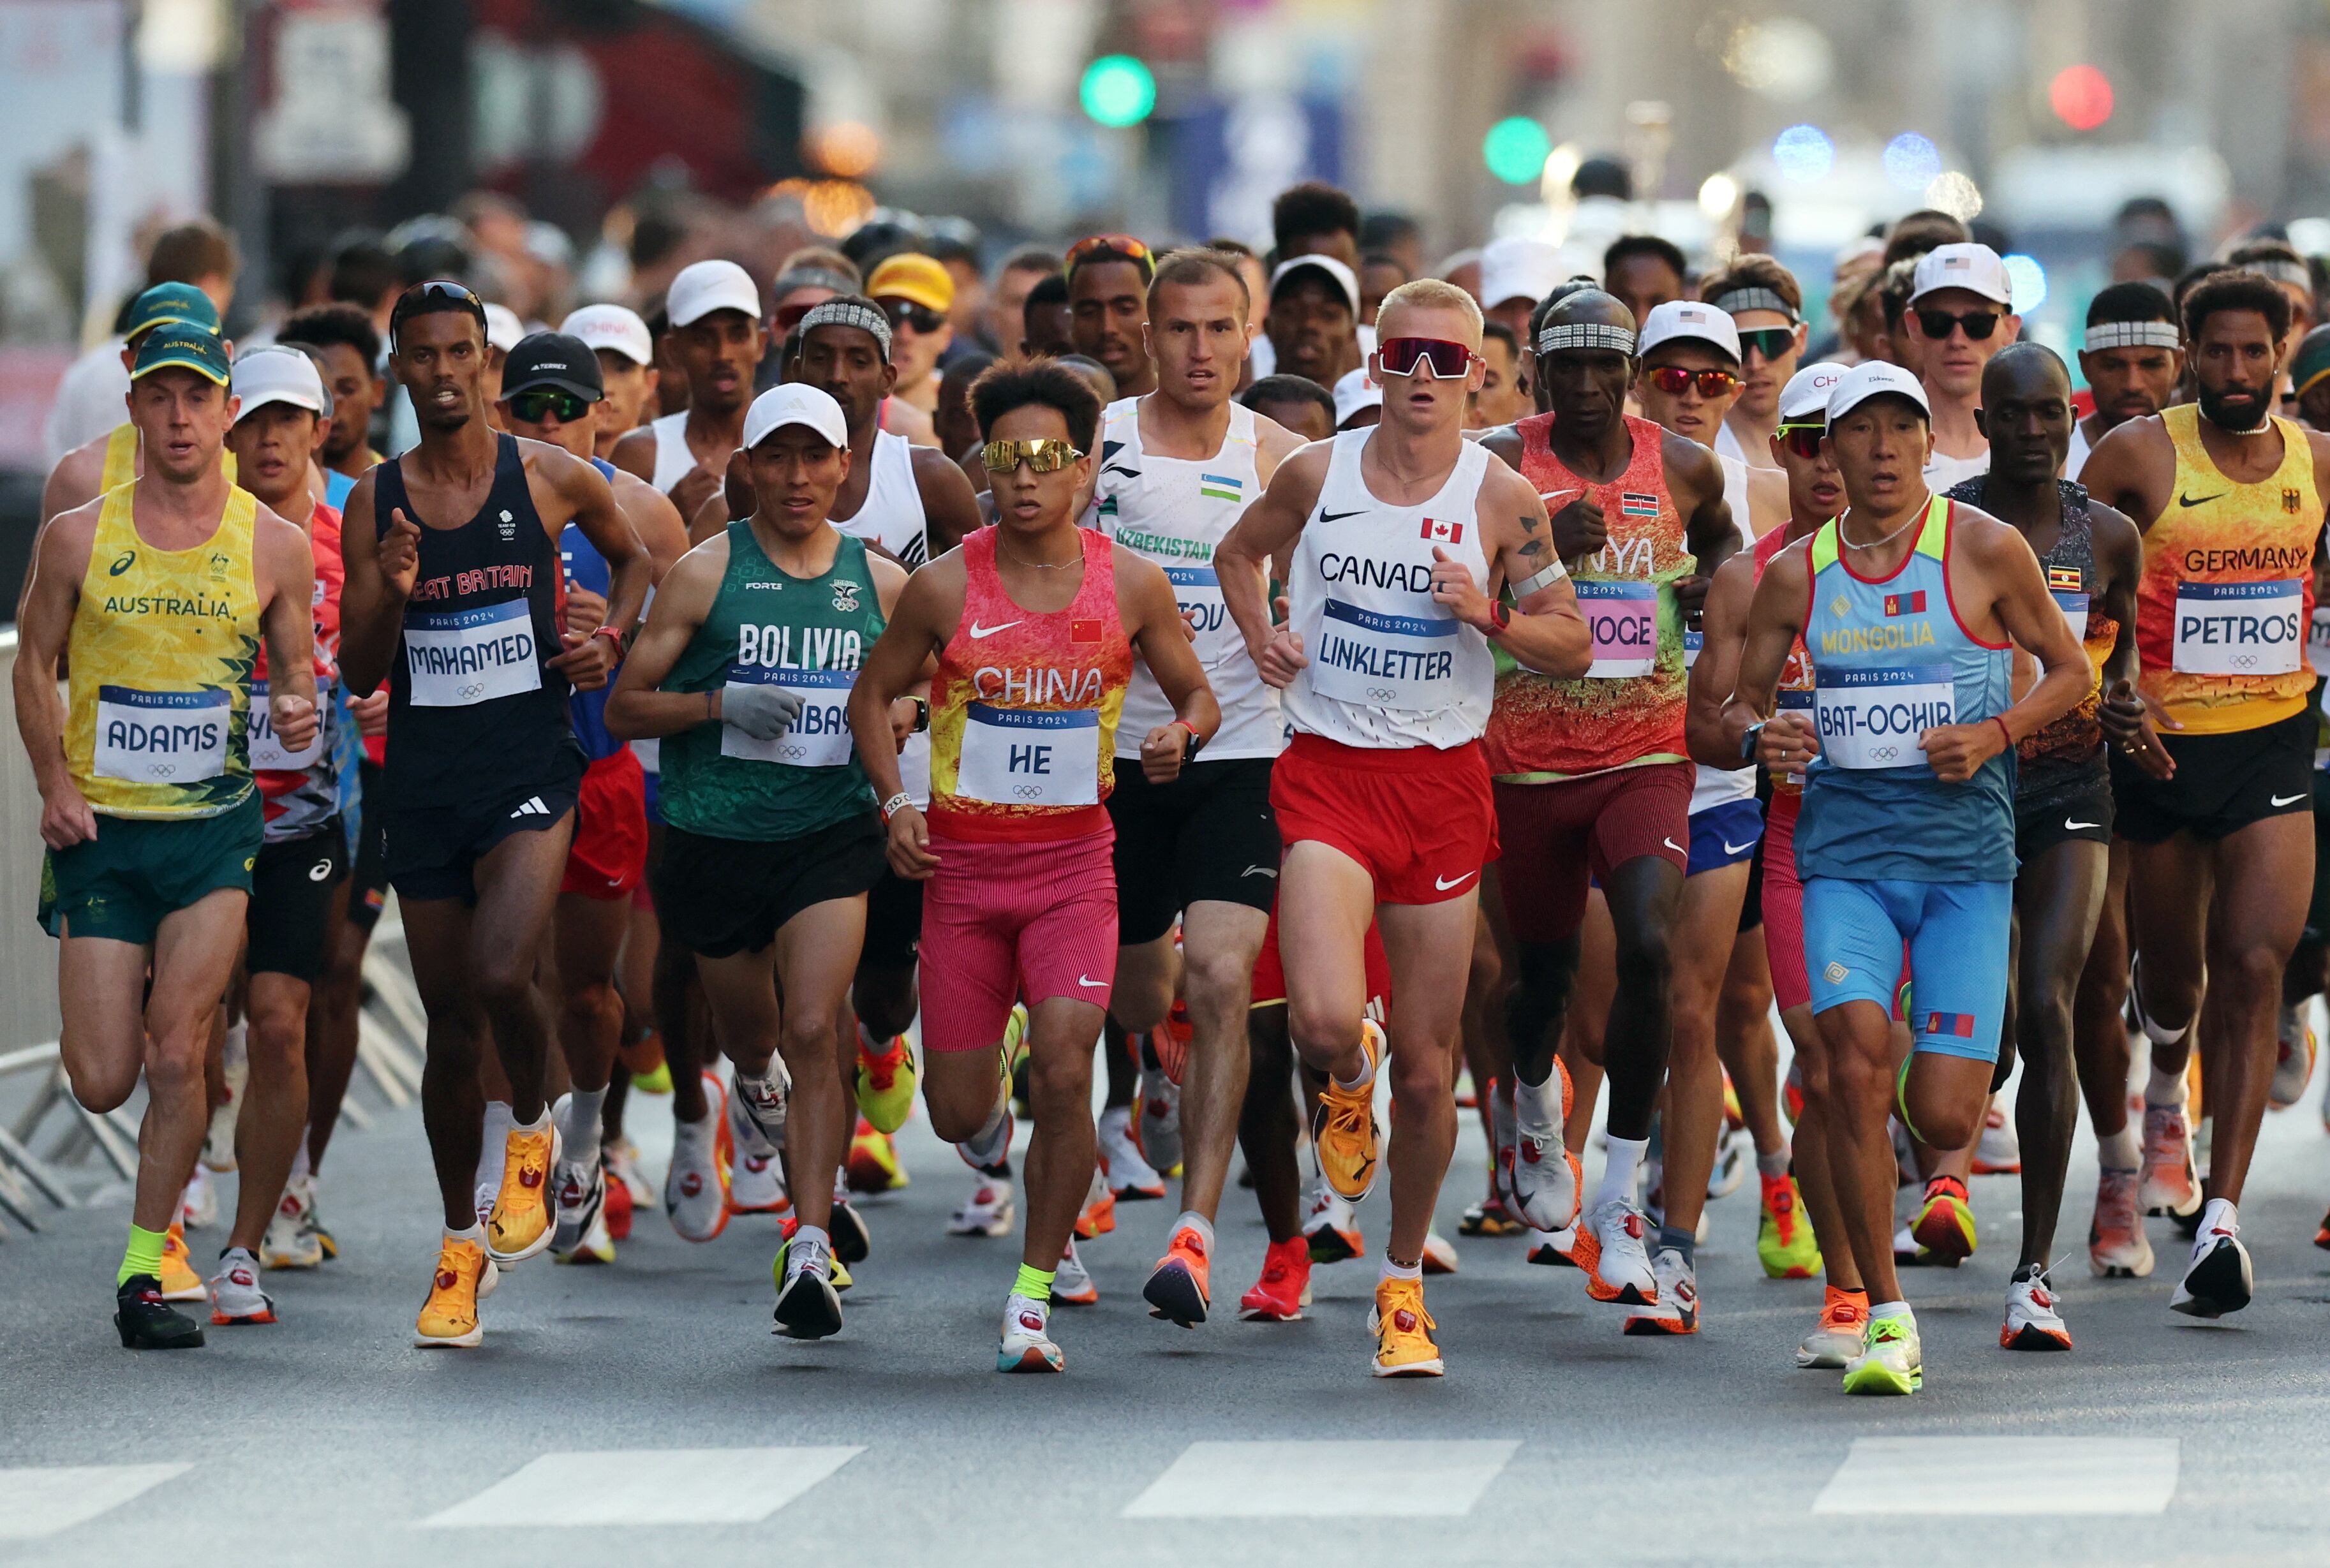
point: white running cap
(611, 326)
(503, 329)
(1874, 378)
(1336, 272)
(705, 287)
(1808, 390)
(795, 402)
(1964, 265)
(279, 374)
(1689, 318)
(1515, 268)
(1354, 391)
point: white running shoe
(2118, 1248)
(808, 1306)
(579, 1194)
(1130, 1176)
(1503, 1127)
(1439, 1254)
(1072, 1282)
(1612, 1250)
(489, 1278)
(198, 1206)
(693, 1195)
(1892, 1358)
(486, 1193)
(2294, 1067)
(989, 1211)
(1027, 1344)
(996, 1147)
(1555, 1249)
(1676, 1311)
(1735, 1156)
(1158, 1102)
(756, 1122)
(595, 1245)
(235, 1295)
(1331, 1228)
(289, 1244)
(1998, 1152)
(756, 1184)
(1542, 1179)
(218, 1138)
(2171, 1183)
(2034, 1320)
(2219, 1279)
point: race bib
(1375, 660)
(1012, 757)
(2317, 643)
(1199, 592)
(2074, 606)
(162, 737)
(1692, 641)
(267, 752)
(461, 656)
(819, 738)
(1872, 718)
(1623, 620)
(2238, 628)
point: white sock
(1192, 1220)
(806, 1237)
(466, 1233)
(1619, 1170)
(1367, 1073)
(581, 1133)
(2217, 1214)
(2165, 1089)
(235, 1049)
(1397, 1270)
(1888, 1309)
(498, 1120)
(1538, 1105)
(299, 1165)
(868, 1043)
(2119, 1151)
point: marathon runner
(300, 881)
(552, 391)
(1110, 279)
(1177, 469)
(916, 292)
(1815, 495)
(716, 340)
(771, 838)
(1961, 311)
(483, 769)
(2131, 357)
(1034, 624)
(1592, 775)
(112, 459)
(1766, 304)
(2230, 500)
(1908, 604)
(626, 355)
(345, 338)
(160, 594)
(2091, 557)
(1382, 797)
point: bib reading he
(1015, 757)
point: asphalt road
(643, 1413)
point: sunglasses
(1803, 439)
(1407, 356)
(1045, 454)
(1673, 380)
(418, 300)
(1110, 247)
(534, 406)
(906, 313)
(1978, 323)
(1771, 342)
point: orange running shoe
(1403, 1330)
(1344, 1132)
(618, 1211)
(1836, 1334)
(1331, 1229)
(521, 1222)
(2322, 1236)
(1098, 1217)
(1285, 1287)
(1945, 1222)
(179, 1281)
(449, 1316)
(1178, 1292)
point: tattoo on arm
(1533, 547)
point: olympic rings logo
(792, 751)
(475, 689)
(2245, 661)
(1028, 791)
(1884, 753)
(1382, 694)
(163, 769)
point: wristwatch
(922, 714)
(1748, 741)
(1194, 744)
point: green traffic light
(1118, 91)
(1515, 149)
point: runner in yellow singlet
(95, 467)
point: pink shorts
(1007, 920)
(1784, 904)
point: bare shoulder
(1984, 539)
(2114, 531)
(1695, 464)
(901, 418)
(1273, 443)
(1134, 569)
(635, 452)
(888, 576)
(69, 533)
(2136, 440)
(1503, 489)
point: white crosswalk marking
(650, 1487)
(42, 1500)
(2002, 1475)
(1323, 1479)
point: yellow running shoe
(1891, 1359)
(521, 1224)
(886, 1084)
(1403, 1330)
(840, 1276)
(449, 1319)
(872, 1163)
(1344, 1131)
(179, 1281)
(1784, 1241)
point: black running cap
(557, 360)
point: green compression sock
(144, 1256)
(1034, 1283)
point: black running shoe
(851, 1240)
(147, 1322)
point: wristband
(1501, 617)
(615, 632)
(1546, 579)
(2004, 730)
(1196, 742)
(896, 804)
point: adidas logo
(532, 806)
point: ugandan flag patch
(2069, 579)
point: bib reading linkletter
(1014, 756)
(1622, 619)
(1871, 718)
(461, 656)
(162, 737)
(2239, 628)
(819, 738)
(1385, 661)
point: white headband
(1586, 335)
(2281, 270)
(2102, 334)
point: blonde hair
(1431, 293)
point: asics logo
(1095, 984)
(2288, 799)
(1443, 884)
(319, 871)
(979, 632)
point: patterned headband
(2281, 270)
(844, 313)
(1755, 298)
(2102, 334)
(1586, 335)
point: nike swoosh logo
(1259, 871)
(1678, 848)
(978, 631)
(1095, 984)
(2202, 501)
(1444, 885)
(2075, 826)
(1731, 848)
(2287, 800)
(1325, 516)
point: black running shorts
(292, 888)
(2222, 782)
(432, 851)
(722, 896)
(1211, 833)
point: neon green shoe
(1015, 1059)
(886, 1084)
(655, 1082)
(1784, 1242)
(1891, 1359)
